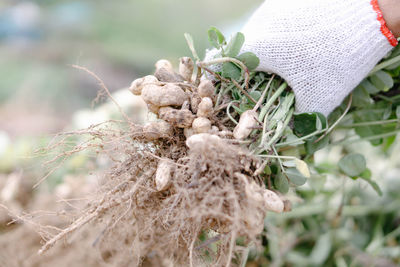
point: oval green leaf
(388, 112)
(369, 87)
(312, 146)
(215, 37)
(382, 80)
(250, 60)
(230, 70)
(353, 164)
(256, 95)
(295, 176)
(234, 45)
(281, 183)
(361, 97)
(307, 123)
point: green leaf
(267, 170)
(372, 115)
(234, 45)
(307, 123)
(321, 250)
(295, 176)
(388, 143)
(230, 70)
(394, 53)
(281, 183)
(294, 140)
(312, 147)
(281, 113)
(215, 37)
(303, 168)
(250, 60)
(190, 42)
(388, 112)
(236, 96)
(366, 174)
(246, 106)
(320, 124)
(189, 39)
(304, 124)
(255, 94)
(398, 112)
(353, 164)
(368, 87)
(361, 97)
(274, 169)
(374, 185)
(382, 81)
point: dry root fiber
(180, 189)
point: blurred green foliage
(119, 40)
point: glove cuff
(384, 28)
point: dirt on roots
(197, 220)
(178, 192)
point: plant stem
(222, 91)
(244, 91)
(275, 96)
(369, 123)
(351, 211)
(219, 77)
(263, 94)
(227, 81)
(265, 133)
(275, 157)
(301, 139)
(369, 138)
(229, 59)
(229, 114)
(338, 121)
(384, 64)
(394, 98)
(279, 159)
(189, 41)
(387, 99)
(198, 76)
(278, 134)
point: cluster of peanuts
(179, 103)
(176, 100)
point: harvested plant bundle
(194, 185)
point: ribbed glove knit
(322, 48)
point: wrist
(391, 13)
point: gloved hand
(322, 48)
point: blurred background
(118, 40)
(336, 222)
(41, 94)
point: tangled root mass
(181, 199)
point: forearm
(391, 14)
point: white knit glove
(322, 48)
